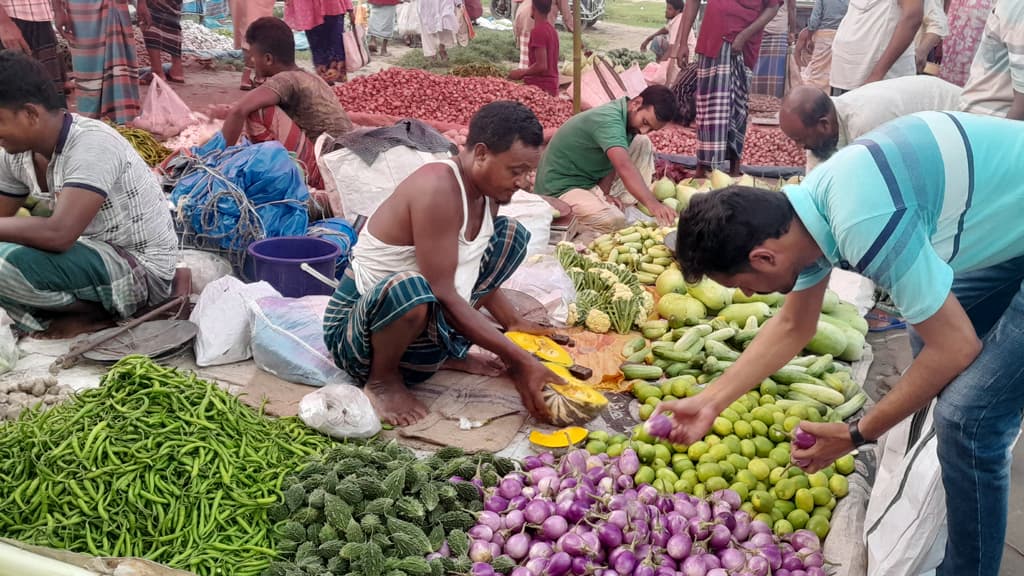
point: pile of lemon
(748, 451)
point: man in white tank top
(428, 259)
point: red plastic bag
(164, 113)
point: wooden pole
(577, 56)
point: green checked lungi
(352, 318)
(34, 283)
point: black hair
(274, 37)
(677, 4)
(23, 80)
(663, 101)
(542, 6)
(718, 229)
(499, 124)
(818, 108)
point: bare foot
(394, 403)
(70, 326)
(477, 363)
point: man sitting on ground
(109, 246)
(601, 161)
(543, 69)
(823, 124)
(292, 106)
(429, 257)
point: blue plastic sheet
(337, 231)
(233, 196)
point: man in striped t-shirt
(928, 207)
(996, 83)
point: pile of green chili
(154, 463)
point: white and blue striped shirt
(915, 202)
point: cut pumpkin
(564, 438)
(572, 403)
(542, 347)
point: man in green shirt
(600, 162)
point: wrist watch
(855, 436)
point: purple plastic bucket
(278, 260)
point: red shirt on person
(544, 36)
(724, 19)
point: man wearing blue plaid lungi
(429, 258)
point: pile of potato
(16, 396)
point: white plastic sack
(361, 188)
(8, 344)
(905, 525)
(288, 340)
(535, 214)
(205, 266)
(222, 315)
(341, 411)
(544, 278)
(408, 19)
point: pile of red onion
(585, 516)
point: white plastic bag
(164, 113)
(905, 525)
(544, 278)
(341, 411)
(222, 315)
(535, 214)
(408, 19)
(288, 340)
(8, 344)
(205, 266)
(361, 188)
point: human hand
(874, 77)
(218, 111)
(535, 328)
(740, 42)
(145, 18)
(663, 214)
(691, 418)
(921, 59)
(644, 44)
(832, 441)
(613, 201)
(682, 55)
(516, 74)
(11, 38)
(62, 21)
(531, 377)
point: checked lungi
(770, 71)
(165, 33)
(272, 123)
(352, 318)
(103, 52)
(35, 283)
(723, 87)
(43, 41)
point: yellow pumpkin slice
(542, 347)
(564, 438)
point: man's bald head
(808, 117)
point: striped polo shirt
(915, 202)
(998, 68)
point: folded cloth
(367, 145)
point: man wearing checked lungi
(109, 246)
(428, 259)
(727, 50)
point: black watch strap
(855, 435)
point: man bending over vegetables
(109, 246)
(292, 106)
(429, 258)
(927, 207)
(601, 161)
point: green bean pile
(154, 463)
(152, 151)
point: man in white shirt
(874, 42)
(996, 84)
(934, 27)
(823, 124)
